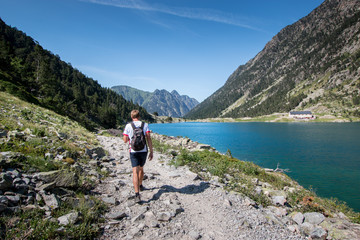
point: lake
(323, 156)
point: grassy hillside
(36, 140)
(38, 76)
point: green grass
(41, 129)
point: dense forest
(38, 76)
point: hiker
(138, 156)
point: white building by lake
(301, 115)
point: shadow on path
(189, 189)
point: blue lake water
(324, 156)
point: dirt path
(177, 205)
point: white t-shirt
(130, 132)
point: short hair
(135, 114)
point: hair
(135, 114)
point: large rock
(61, 178)
(279, 200)
(6, 181)
(70, 218)
(50, 200)
(314, 218)
(298, 217)
(11, 159)
(318, 234)
(47, 177)
(98, 153)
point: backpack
(138, 141)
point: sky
(191, 46)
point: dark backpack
(138, 141)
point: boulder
(298, 217)
(318, 234)
(203, 147)
(98, 152)
(307, 228)
(314, 218)
(70, 218)
(67, 179)
(47, 177)
(279, 200)
(50, 200)
(110, 200)
(6, 181)
(61, 178)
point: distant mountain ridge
(313, 64)
(161, 101)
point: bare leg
(136, 177)
(141, 175)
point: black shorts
(138, 158)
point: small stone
(138, 218)
(227, 203)
(164, 216)
(294, 228)
(110, 200)
(245, 224)
(194, 235)
(116, 215)
(174, 175)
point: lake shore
(184, 203)
(276, 117)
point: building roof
(300, 112)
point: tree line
(38, 76)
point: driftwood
(280, 169)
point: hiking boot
(137, 198)
(142, 188)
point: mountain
(312, 64)
(161, 101)
(38, 76)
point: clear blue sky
(191, 46)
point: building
(301, 115)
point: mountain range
(162, 102)
(313, 64)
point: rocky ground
(179, 205)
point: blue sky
(191, 46)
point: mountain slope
(38, 76)
(161, 101)
(312, 64)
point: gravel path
(177, 205)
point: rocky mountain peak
(161, 101)
(312, 64)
